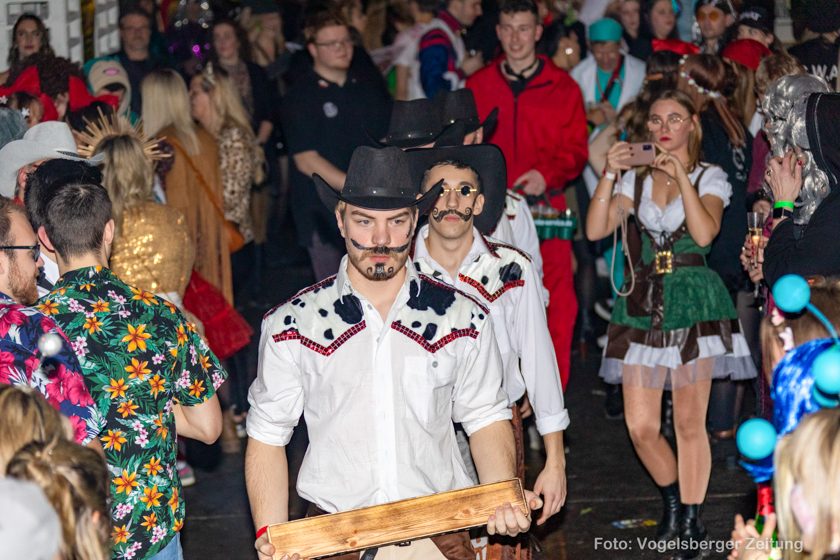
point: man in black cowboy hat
(462, 126)
(381, 360)
(452, 248)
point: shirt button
(434, 364)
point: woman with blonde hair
(215, 104)
(191, 175)
(75, 481)
(674, 326)
(153, 249)
(27, 416)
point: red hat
(746, 52)
(29, 82)
(80, 97)
(675, 45)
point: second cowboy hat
(413, 124)
(459, 117)
(378, 179)
(486, 159)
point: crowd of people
(483, 190)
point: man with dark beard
(381, 360)
(33, 350)
(451, 248)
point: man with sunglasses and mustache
(713, 17)
(380, 360)
(33, 350)
(452, 247)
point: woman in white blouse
(677, 328)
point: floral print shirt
(140, 357)
(57, 377)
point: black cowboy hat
(413, 124)
(378, 179)
(459, 117)
(486, 159)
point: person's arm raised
(605, 209)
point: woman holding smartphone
(676, 329)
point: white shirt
(50, 272)
(671, 218)
(408, 58)
(516, 227)
(503, 279)
(379, 397)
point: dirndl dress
(679, 312)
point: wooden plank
(395, 522)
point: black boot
(692, 532)
(669, 526)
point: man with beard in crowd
(33, 350)
(381, 360)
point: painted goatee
(379, 271)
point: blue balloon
(827, 371)
(791, 293)
(756, 439)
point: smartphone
(641, 153)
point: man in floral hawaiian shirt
(56, 373)
(150, 373)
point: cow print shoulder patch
(320, 318)
(438, 314)
(497, 272)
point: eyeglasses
(712, 15)
(34, 250)
(335, 45)
(465, 191)
(675, 122)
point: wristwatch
(779, 213)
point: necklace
(520, 75)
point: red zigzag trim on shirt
(294, 334)
(454, 335)
(483, 291)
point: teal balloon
(756, 439)
(825, 401)
(827, 371)
(791, 293)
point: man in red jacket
(542, 132)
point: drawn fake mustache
(380, 249)
(438, 216)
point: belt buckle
(664, 262)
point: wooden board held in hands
(395, 522)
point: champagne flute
(755, 225)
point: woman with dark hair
(727, 144)
(660, 19)
(231, 51)
(29, 36)
(673, 328)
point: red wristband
(261, 531)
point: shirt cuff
(266, 431)
(553, 423)
(475, 425)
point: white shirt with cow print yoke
(503, 278)
(379, 397)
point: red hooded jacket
(543, 128)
